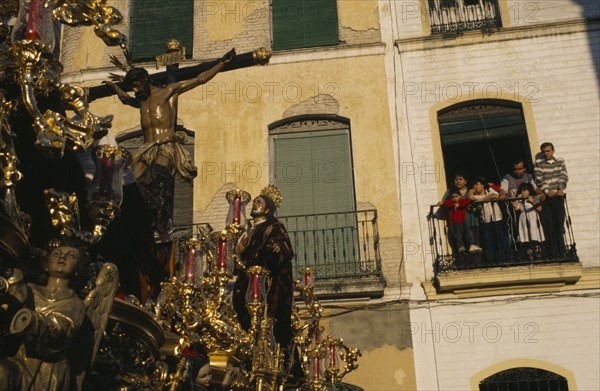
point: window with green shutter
(154, 22)
(304, 23)
(313, 170)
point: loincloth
(174, 150)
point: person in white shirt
(493, 232)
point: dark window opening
(483, 138)
(524, 379)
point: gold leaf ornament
(273, 193)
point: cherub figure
(53, 332)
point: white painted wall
(412, 16)
(554, 75)
(458, 341)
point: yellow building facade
(237, 119)
(393, 75)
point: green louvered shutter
(154, 22)
(304, 23)
(314, 174)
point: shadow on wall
(590, 9)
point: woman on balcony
(460, 184)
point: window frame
(463, 17)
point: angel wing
(98, 306)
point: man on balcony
(511, 181)
(550, 174)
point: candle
(106, 177)
(222, 254)
(189, 265)
(237, 209)
(315, 367)
(331, 355)
(35, 20)
(255, 280)
(307, 277)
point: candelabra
(267, 370)
(195, 305)
(321, 358)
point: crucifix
(162, 156)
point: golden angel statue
(55, 334)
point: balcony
(336, 245)
(510, 256)
(341, 248)
(456, 16)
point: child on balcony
(531, 233)
(493, 231)
(456, 208)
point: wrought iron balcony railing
(334, 245)
(456, 16)
(522, 235)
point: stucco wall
(218, 27)
(81, 50)
(387, 356)
(231, 114)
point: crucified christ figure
(162, 155)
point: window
(304, 23)
(154, 22)
(524, 379)
(313, 170)
(486, 135)
(456, 16)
